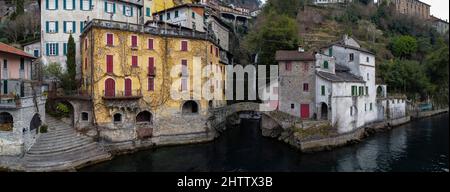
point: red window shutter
(85, 44)
(217, 52)
(85, 63)
(184, 45)
(150, 44)
(151, 84)
(134, 61)
(110, 89)
(128, 84)
(109, 39)
(151, 66)
(306, 67)
(211, 50)
(109, 64)
(133, 41)
(288, 66)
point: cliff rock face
(249, 4)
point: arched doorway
(324, 111)
(6, 121)
(144, 117)
(35, 122)
(189, 107)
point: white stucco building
(187, 15)
(60, 18)
(345, 78)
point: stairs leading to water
(62, 149)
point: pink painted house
(15, 69)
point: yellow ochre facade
(117, 113)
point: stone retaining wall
(328, 143)
(424, 114)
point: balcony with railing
(122, 95)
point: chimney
(300, 49)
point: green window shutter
(5, 87)
(73, 4)
(81, 4)
(81, 26)
(65, 26)
(325, 64)
(47, 26)
(46, 5)
(367, 90)
(47, 49)
(323, 90)
(114, 7)
(123, 10)
(56, 26)
(147, 11)
(371, 106)
(90, 4)
(106, 6)
(131, 11)
(56, 4)
(330, 51)
(64, 4)
(56, 49)
(74, 27)
(65, 49)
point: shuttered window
(109, 64)
(184, 46)
(151, 66)
(134, 61)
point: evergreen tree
(71, 65)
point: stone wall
(21, 138)
(327, 143)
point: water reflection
(418, 146)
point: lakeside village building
(22, 106)
(336, 84)
(126, 78)
(132, 97)
(60, 18)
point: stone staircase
(62, 149)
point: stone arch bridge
(269, 119)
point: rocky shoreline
(290, 137)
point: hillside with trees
(412, 58)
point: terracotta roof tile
(284, 55)
(12, 50)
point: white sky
(439, 8)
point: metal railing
(111, 94)
(150, 29)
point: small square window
(84, 116)
(292, 106)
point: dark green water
(419, 146)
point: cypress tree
(71, 66)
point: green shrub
(43, 129)
(62, 108)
